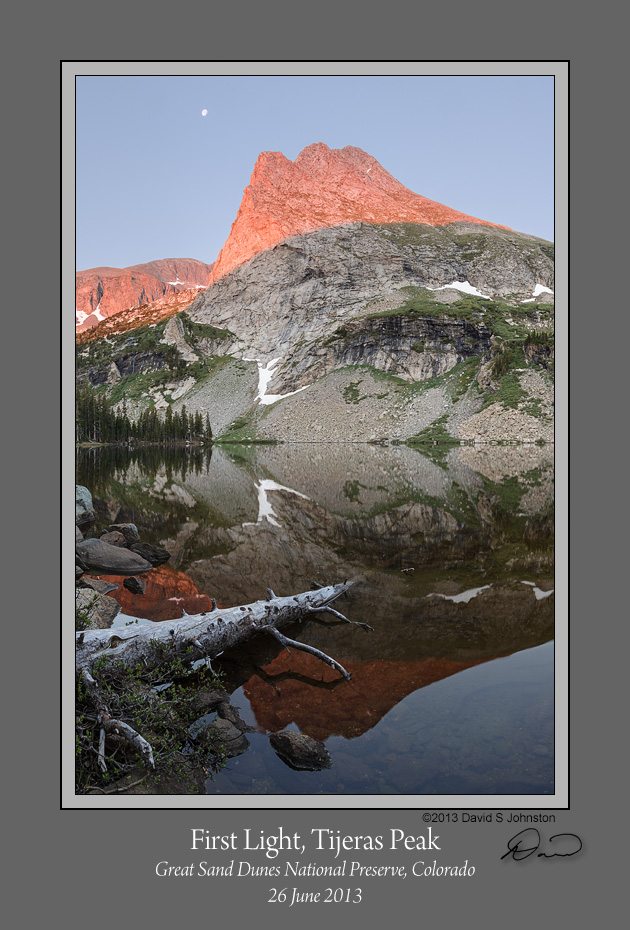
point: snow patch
(464, 286)
(81, 316)
(538, 290)
(464, 596)
(265, 374)
(97, 313)
(540, 594)
(265, 510)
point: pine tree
(168, 424)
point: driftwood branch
(306, 648)
(109, 725)
(208, 633)
(101, 751)
(335, 613)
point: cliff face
(323, 187)
(103, 292)
(308, 283)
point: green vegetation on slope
(145, 339)
(503, 319)
(197, 331)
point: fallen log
(200, 636)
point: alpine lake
(451, 551)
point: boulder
(84, 508)
(224, 735)
(153, 554)
(114, 539)
(135, 585)
(98, 609)
(300, 752)
(78, 535)
(99, 556)
(129, 531)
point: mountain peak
(322, 187)
(102, 292)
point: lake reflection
(452, 559)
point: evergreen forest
(98, 420)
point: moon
(204, 112)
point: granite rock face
(413, 349)
(306, 286)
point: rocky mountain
(103, 292)
(323, 187)
(344, 306)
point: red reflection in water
(167, 592)
(348, 710)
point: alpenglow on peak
(322, 187)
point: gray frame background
(99, 866)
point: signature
(526, 843)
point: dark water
(452, 690)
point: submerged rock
(300, 752)
(135, 585)
(227, 712)
(225, 735)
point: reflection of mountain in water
(168, 591)
(428, 640)
(285, 516)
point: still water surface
(452, 559)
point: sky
(155, 178)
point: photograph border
(560, 800)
